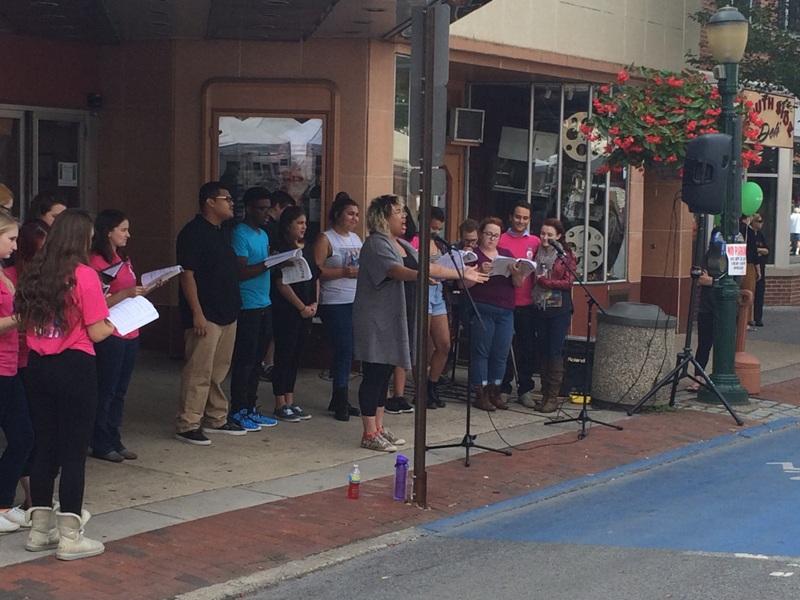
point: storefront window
(274, 153)
(766, 176)
(564, 170)
(498, 168)
(402, 94)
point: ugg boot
(43, 534)
(434, 401)
(496, 397)
(73, 544)
(555, 372)
(482, 400)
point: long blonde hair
(7, 223)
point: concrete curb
(249, 584)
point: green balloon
(752, 197)
(717, 220)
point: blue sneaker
(262, 420)
(243, 420)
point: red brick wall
(783, 291)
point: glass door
(57, 156)
(12, 139)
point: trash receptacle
(634, 348)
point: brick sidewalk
(787, 392)
(174, 560)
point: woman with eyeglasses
(492, 328)
(382, 331)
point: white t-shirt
(345, 250)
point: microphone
(557, 247)
(440, 240)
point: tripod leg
(666, 379)
(713, 388)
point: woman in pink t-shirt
(14, 419)
(63, 309)
(116, 355)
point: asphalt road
(717, 521)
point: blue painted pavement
(718, 496)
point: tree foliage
(773, 52)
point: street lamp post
(727, 38)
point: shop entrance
(43, 151)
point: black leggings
(290, 331)
(374, 387)
(63, 402)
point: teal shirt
(253, 245)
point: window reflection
(554, 166)
(275, 153)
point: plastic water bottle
(400, 477)
(354, 483)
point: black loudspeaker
(705, 172)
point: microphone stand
(583, 417)
(468, 441)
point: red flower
(674, 81)
(586, 129)
(653, 139)
(691, 126)
(602, 170)
(605, 89)
(684, 100)
(649, 119)
(623, 76)
(672, 158)
(713, 112)
(613, 130)
(714, 94)
(678, 111)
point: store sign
(777, 112)
(737, 259)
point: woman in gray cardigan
(380, 322)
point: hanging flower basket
(648, 124)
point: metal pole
(726, 290)
(421, 308)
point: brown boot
(482, 400)
(496, 397)
(555, 375)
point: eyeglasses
(491, 236)
(228, 198)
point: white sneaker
(18, 516)
(7, 526)
(392, 438)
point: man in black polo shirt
(209, 304)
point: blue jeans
(489, 344)
(338, 321)
(551, 331)
(116, 358)
(16, 425)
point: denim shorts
(436, 303)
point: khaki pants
(208, 359)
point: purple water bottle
(400, 475)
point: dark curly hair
(43, 294)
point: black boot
(434, 400)
(340, 405)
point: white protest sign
(737, 259)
